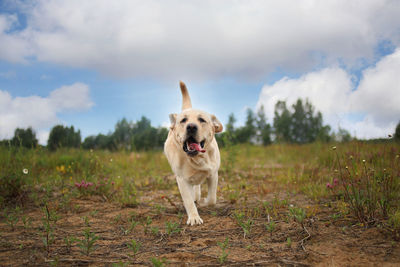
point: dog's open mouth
(192, 147)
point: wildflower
(335, 181)
(112, 182)
(111, 160)
(25, 171)
(363, 160)
(60, 168)
(334, 148)
(328, 185)
(347, 167)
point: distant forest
(298, 124)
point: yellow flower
(60, 168)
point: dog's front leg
(212, 183)
(197, 193)
(187, 194)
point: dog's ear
(217, 124)
(172, 118)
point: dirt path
(319, 242)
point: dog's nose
(191, 128)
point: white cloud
(370, 110)
(379, 91)
(71, 97)
(177, 40)
(40, 113)
(14, 47)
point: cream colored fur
(192, 171)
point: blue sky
(91, 63)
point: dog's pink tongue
(196, 147)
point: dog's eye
(201, 120)
(183, 120)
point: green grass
(35, 175)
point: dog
(193, 154)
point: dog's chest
(198, 177)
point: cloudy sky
(91, 63)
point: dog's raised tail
(186, 102)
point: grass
(263, 189)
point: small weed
(224, 255)
(86, 221)
(48, 237)
(12, 217)
(128, 196)
(158, 263)
(270, 227)
(298, 214)
(146, 224)
(159, 209)
(246, 225)
(155, 230)
(87, 243)
(93, 213)
(132, 224)
(118, 218)
(289, 242)
(69, 240)
(120, 264)
(172, 228)
(336, 216)
(134, 246)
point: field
(280, 205)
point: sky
(92, 63)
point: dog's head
(193, 130)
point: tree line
(299, 124)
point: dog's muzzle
(192, 147)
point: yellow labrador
(193, 154)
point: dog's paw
(204, 202)
(194, 219)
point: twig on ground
(305, 238)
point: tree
(61, 136)
(342, 135)
(302, 125)
(230, 126)
(306, 126)
(144, 136)
(397, 133)
(263, 128)
(123, 134)
(26, 138)
(247, 133)
(282, 122)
